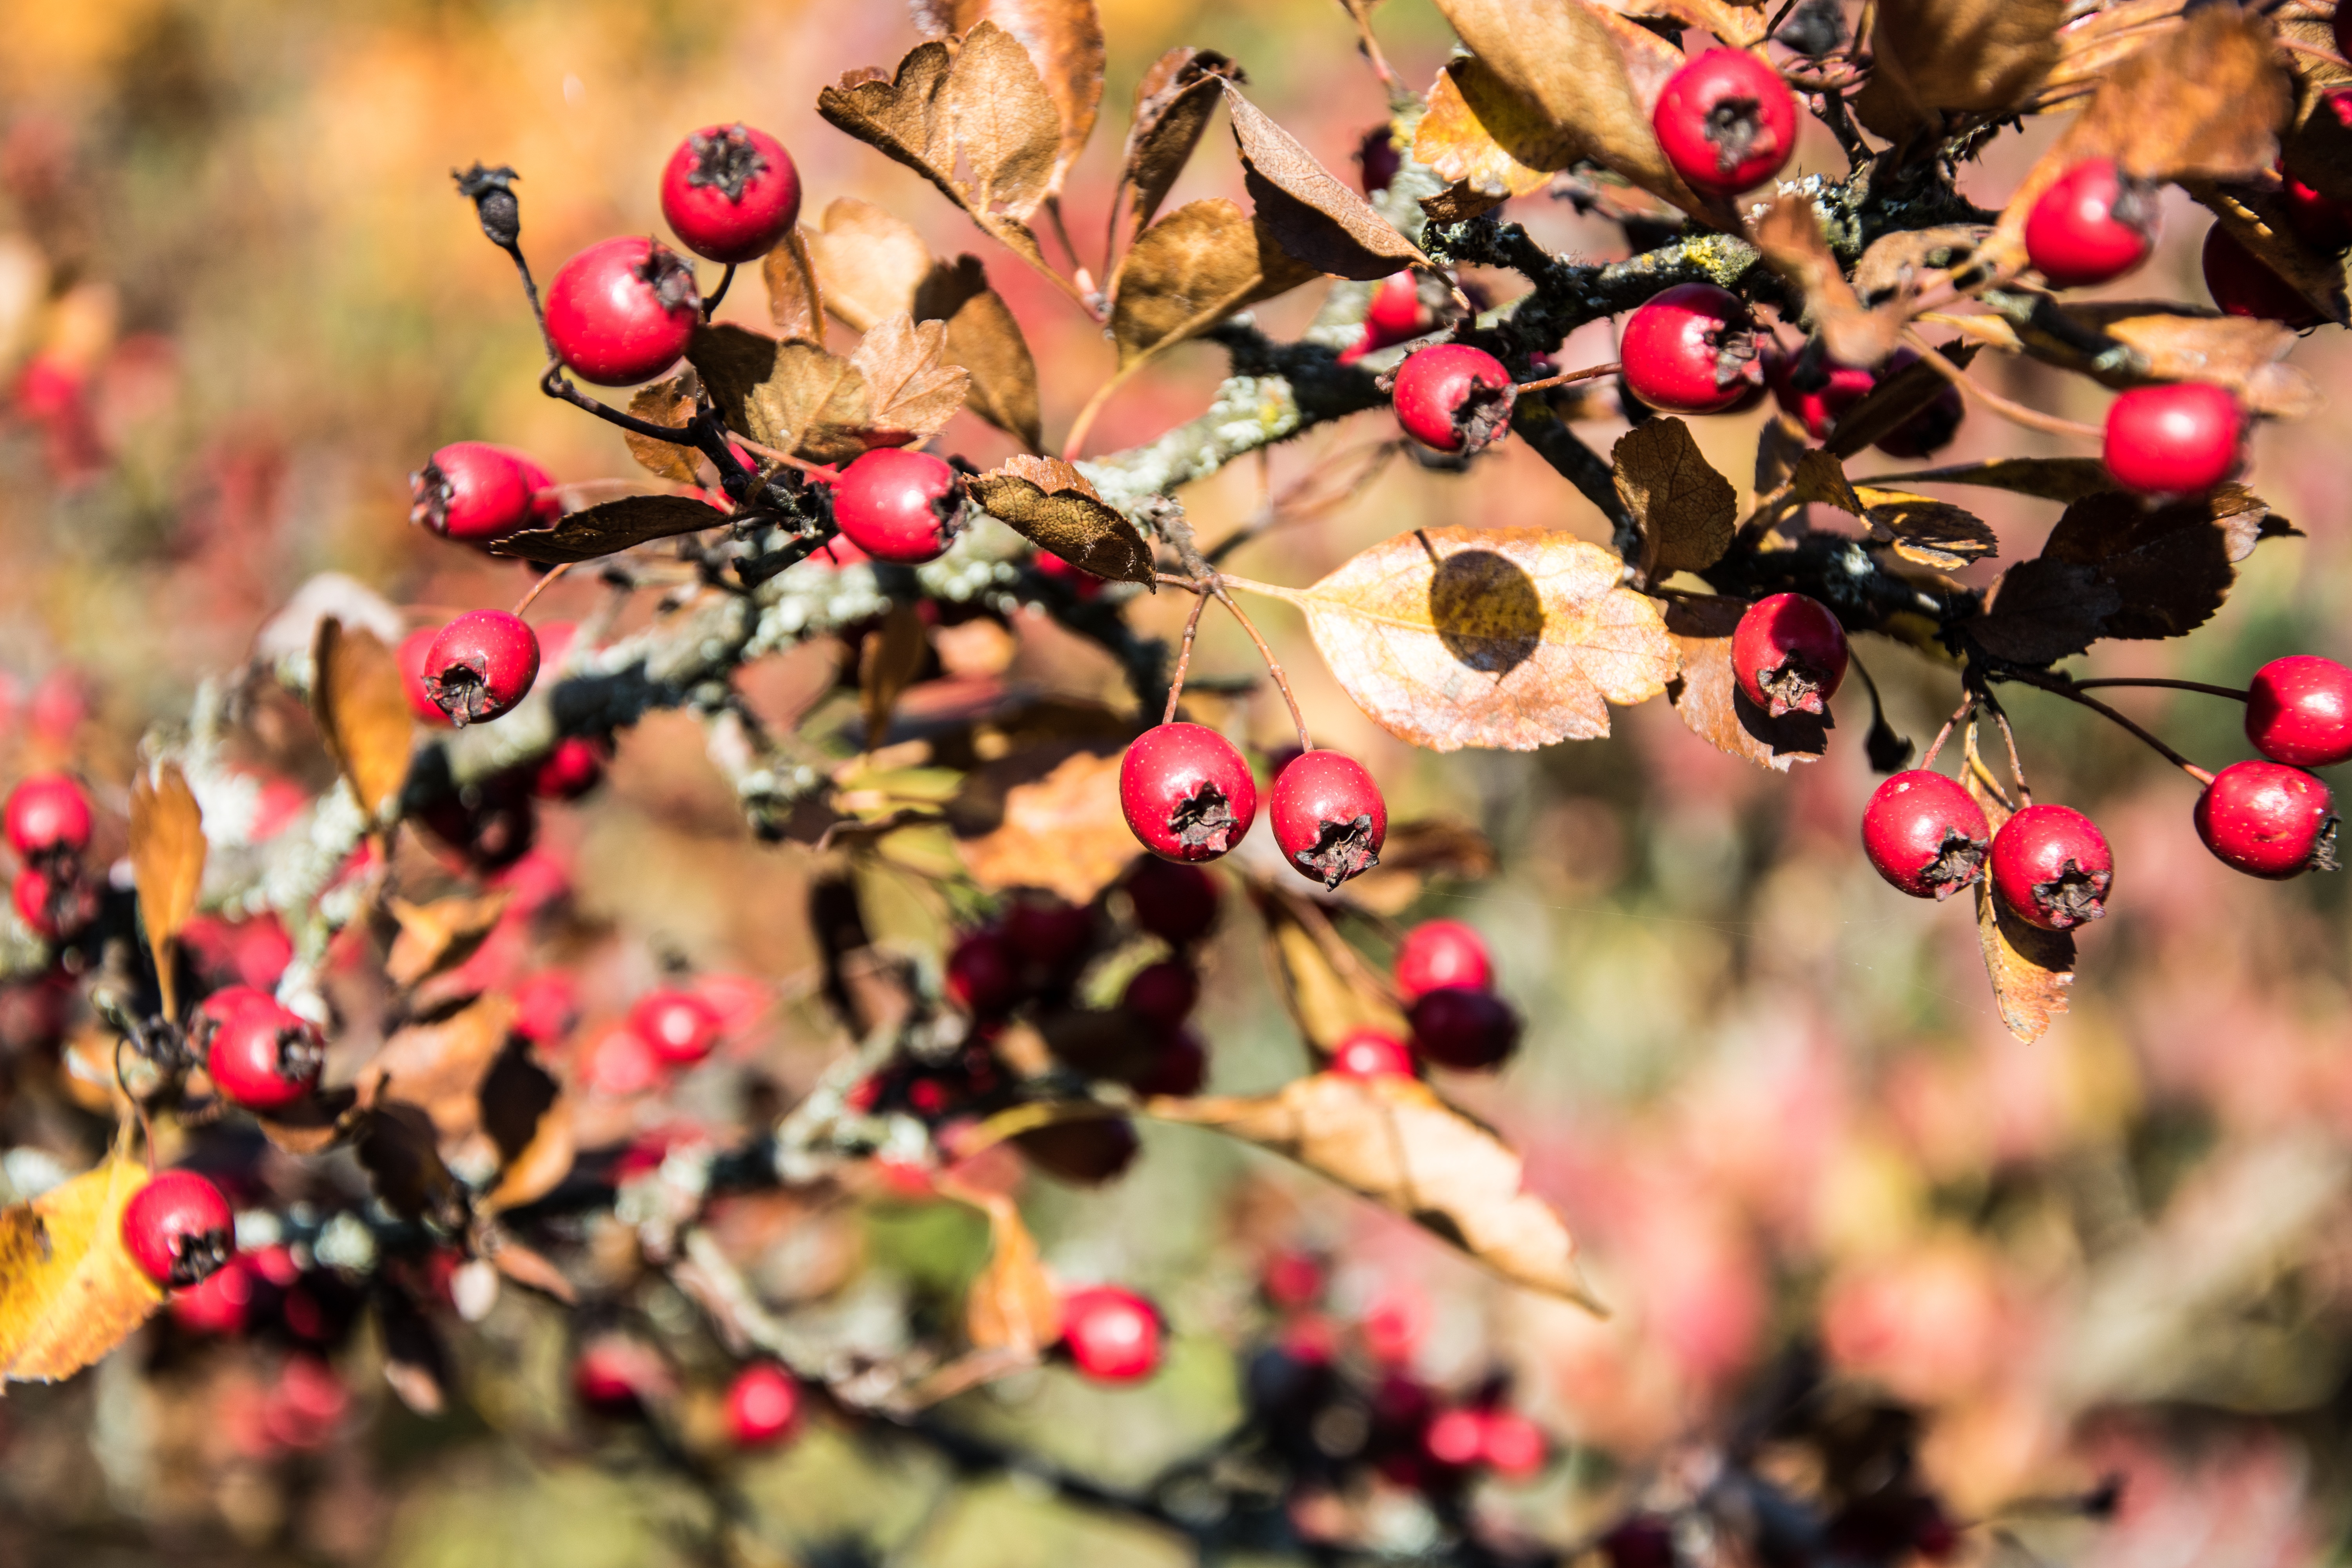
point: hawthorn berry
(1176, 904)
(546, 504)
(623, 311)
(1690, 349)
(1377, 159)
(1442, 953)
(48, 818)
(1370, 1053)
(763, 1406)
(2243, 284)
(1084, 1153)
(1931, 429)
(1451, 1438)
(53, 902)
(984, 974)
(615, 1376)
(1178, 1066)
(1725, 121)
(471, 491)
(221, 1304)
(178, 1230)
(2299, 710)
(2051, 867)
(1328, 816)
(1457, 1026)
(1112, 1335)
(547, 1008)
(2091, 225)
(411, 655)
(677, 1025)
(1047, 932)
(572, 766)
(621, 1062)
(1187, 792)
(2267, 819)
(730, 192)
(1395, 312)
(2321, 222)
(1788, 654)
(1453, 398)
(480, 665)
(1814, 391)
(260, 1055)
(1926, 835)
(1512, 1446)
(1164, 992)
(2178, 439)
(900, 506)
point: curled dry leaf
(1172, 105)
(984, 339)
(1394, 1141)
(1708, 701)
(1190, 270)
(2030, 969)
(2052, 479)
(868, 263)
(68, 1291)
(1789, 233)
(437, 936)
(361, 705)
(795, 297)
(1512, 638)
(1050, 503)
(1686, 511)
(1012, 1305)
(1064, 40)
(400, 1151)
(1063, 833)
(2241, 352)
(1935, 54)
(1925, 531)
(1326, 985)
(609, 529)
(437, 1069)
(537, 1164)
(910, 392)
(667, 403)
(167, 861)
(1892, 403)
(1315, 216)
(1895, 264)
(887, 665)
(1477, 133)
(322, 1119)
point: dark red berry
(2090, 225)
(1815, 392)
(414, 648)
(1178, 1066)
(2267, 819)
(763, 1406)
(2340, 27)
(1369, 1053)
(1328, 816)
(1377, 159)
(1178, 904)
(622, 310)
(2180, 439)
(2299, 710)
(2243, 284)
(1926, 835)
(471, 491)
(178, 1230)
(1725, 121)
(260, 1055)
(480, 666)
(1048, 933)
(1442, 953)
(1084, 1153)
(1453, 398)
(1641, 1541)
(617, 1375)
(221, 1304)
(53, 902)
(48, 818)
(2321, 222)
(984, 974)
(1690, 350)
(1512, 1446)
(1931, 429)
(1163, 993)
(677, 1025)
(1456, 1027)
(1187, 792)
(730, 192)
(2053, 867)
(1788, 654)
(899, 505)
(1112, 1335)
(572, 766)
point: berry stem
(775, 455)
(1273, 669)
(555, 383)
(2015, 412)
(1184, 653)
(1360, 13)
(2229, 691)
(2009, 739)
(2069, 690)
(1968, 706)
(1588, 373)
(710, 301)
(550, 575)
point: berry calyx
(623, 311)
(2267, 819)
(472, 491)
(1690, 349)
(2243, 284)
(1370, 1053)
(1178, 904)
(678, 1026)
(1442, 953)
(1328, 816)
(1725, 121)
(730, 192)
(178, 1230)
(260, 1055)
(763, 1406)
(1187, 792)
(898, 505)
(2180, 439)
(1453, 398)
(1788, 654)
(1112, 1335)
(2299, 710)
(414, 650)
(48, 819)
(480, 665)
(1469, 1030)
(1926, 835)
(2053, 867)
(2091, 225)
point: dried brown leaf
(909, 393)
(1330, 992)
(1935, 55)
(985, 340)
(1012, 1305)
(1172, 105)
(887, 665)
(1190, 270)
(322, 1119)
(1050, 503)
(436, 936)
(2030, 969)
(1064, 40)
(668, 402)
(400, 1150)
(1779, 445)
(1318, 218)
(795, 297)
(1063, 832)
(360, 703)
(1685, 509)
(2116, 568)
(1926, 531)
(68, 1291)
(1513, 638)
(2259, 220)
(1820, 478)
(868, 263)
(437, 1069)
(1895, 264)
(2052, 479)
(1789, 233)
(539, 1166)
(1394, 1141)
(614, 526)
(167, 860)
(1478, 134)
(1708, 701)
(792, 395)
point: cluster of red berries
(1189, 795)
(49, 823)
(666, 1030)
(1445, 978)
(621, 1377)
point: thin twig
(2015, 412)
(1079, 273)
(725, 281)
(2067, 689)
(541, 586)
(1273, 669)
(1359, 12)
(1184, 656)
(2008, 738)
(2229, 691)
(777, 455)
(2314, 51)
(1968, 706)
(1588, 373)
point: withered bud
(492, 193)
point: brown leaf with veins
(1789, 233)
(439, 935)
(2030, 969)
(167, 861)
(360, 703)
(1820, 478)
(1708, 699)
(1926, 531)
(1685, 509)
(792, 396)
(1172, 105)
(1013, 1304)
(1190, 270)
(868, 263)
(1512, 638)
(1314, 215)
(1394, 1141)
(1050, 503)
(609, 529)
(1064, 40)
(1478, 132)
(909, 393)
(667, 403)
(795, 297)
(68, 1291)
(1063, 833)
(1935, 55)
(985, 340)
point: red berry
(2321, 222)
(1084, 1153)
(1187, 792)
(2053, 867)
(621, 1062)
(1080, 581)
(1725, 121)
(1788, 654)
(1163, 993)
(2267, 819)
(1378, 159)
(1442, 953)
(1369, 1053)
(2090, 225)
(1179, 1066)
(1926, 835)
(1453, 398)
(411, 654)
(2243, 284)
(763, 1406)
(48, 818)
(546, 504)
(220, 1304)
(471, 490)
(1112, 1335)
(480, 665)
(547, 1008)
(178, 1230)
(572, 766)
(53, 903)
(1047, 931)
(1395, 312)
(1452, 1436)
(677, 1025)
(1815, 392)
(2178, 439)
(898, 505)
(2299, 710)
(1178, 904)
(1456, 1027)
(260, 1055)
(1292, 1280)
(1328, 816)
(730, 192)
(984, 974)
(622, 310)
(1641, 1541)
(617, 1375)
(1691, 349)
(1512, 1446)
